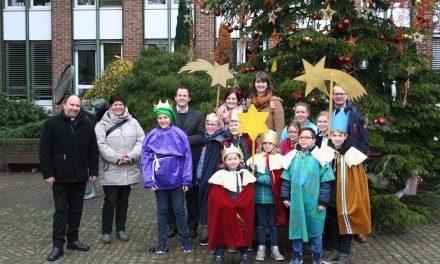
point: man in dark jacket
(192, 123)
(68, 158)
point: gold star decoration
(253, 122)
(272, 17)
(351, 42)
(362, 12)
(219, 73)
(315, 76)
(417, 37)
(410, 70)
(327, 13)
(276, 36)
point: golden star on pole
(313, 76)
(219, 73)
(253, 122)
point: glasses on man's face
(339, 94)
(211, 125)
(305, 138)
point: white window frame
(101, 50)
(77, 85)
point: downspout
(169, 24)
(98, 41)
(28, 53)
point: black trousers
(342, 243)
(192, 207)
(115, 206)
(69, 200)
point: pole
(218, 98)
(330, 107)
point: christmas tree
(363, 40)
(182, 27)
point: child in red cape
(231, 207)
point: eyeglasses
(339, 94)
(305, 138)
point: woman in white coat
(120, 139)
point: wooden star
(327, 13)
(351, 42)
(410, 70)
(188, 19)
(313, 76)
(362, 12)
(253, 122)
(219, 73)
(417, 37)
(276, 36)
(272, 17)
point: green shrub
(18, 112)
(29, 130)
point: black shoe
(55, 254)
(76, 245)
(172, 232)
(193, 233)
(203, 242)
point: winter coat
(126, 139)
(275, 120)
(68, 149)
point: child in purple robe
(167, 170)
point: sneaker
(332, 258)
(232, 250)
(122, 235)
(316, 258)
(161, 249)
(261, 253)
(245, 259)
(203, 242)
(187, 248)
(275, 253)
(106, 238)
(217, 260)
(343, 258)
(297, 258)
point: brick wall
(205, 33)
(132, 28)
(61, 39)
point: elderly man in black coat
(68, 158)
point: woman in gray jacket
(120, 139)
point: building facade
(41, 37)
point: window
(112, 52)
(41, 69)
(15, 68)
(16, 3)
(41, 3)
(436, 52)
(85, 2)
(85, 66)
(161, 44)
(109, 3)
(156, 2)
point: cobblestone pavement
(26, 209)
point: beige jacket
(275, 120)
(126, 139)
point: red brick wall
(61, 39)
(133, 25)
(205, 33)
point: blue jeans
(177, 199)
(316, 243)
(266, 215)
(220, 251)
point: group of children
(318, 177)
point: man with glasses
(357, 125)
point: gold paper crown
(213, 116)
(233, 115)
(230, 150)
(270, 137)
(163, 105)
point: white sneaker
(261, 253)
(276, 255)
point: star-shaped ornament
(219, 73)
(188, 19)
(253, 122)
(327, 13)
(272, 17)
(362, 12)
(351, 42)
(417, 37)
(410, 70)
(276, 36)
(313, 76)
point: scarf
(118, 119)
(261, 100)
(305, 151)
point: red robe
(280, 209)
(230, 223)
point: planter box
(19, 151)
